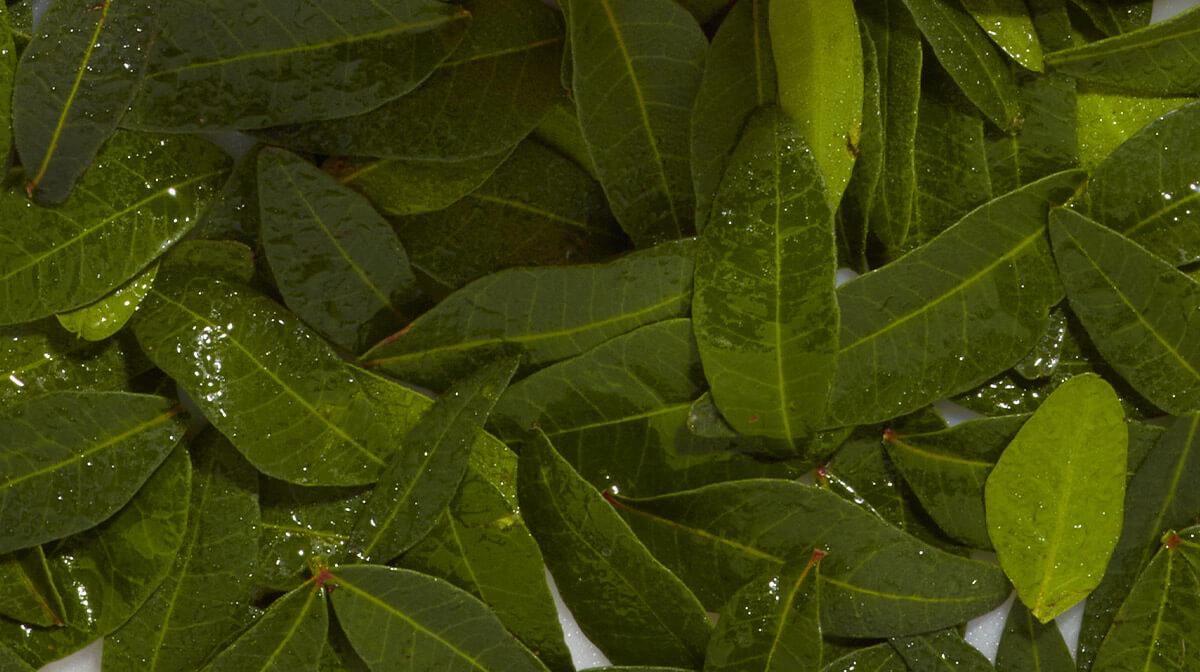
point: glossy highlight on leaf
(104, 318)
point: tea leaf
(1008, 24)
(288, 637)
(411, 186)
(104, 318)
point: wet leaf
(545, 315)
(112, 441)
(637, 69)
(236, 64)
(411, 186)
(337, 262)
(1108, 117)
(1010, 26)
(1136, 307)
(819, 66)
(877, 658)
(288, 637)
(432, 625)
(876, 580)
(946, 650)
(1054, 515)
(104, 318)
(1116, 18)
(1046, 142)
(1030, 646)
(205, 599)
(299, 523)
(142, 195)
(632, 607)
(995, 262)
(27, 591)
(40, 357)
(765, 314)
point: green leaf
(560, 131)
(40, 357)
(1054, 515)
(994, 261)
(217, 258)
(236, 64)
(73, 84)
(1009, 25)
(1157, 499)
(110, 441)
(1136, 307)
(105, 317)
(1160, 617)
(967, 54)
(10, 18)
(204, 600)
(876, 580)
(1108, 117)
(1146, 189)
(942, 651)
(1157, 60)
(739, 76)
(288, 637)
(1030, 646)
(631, 606)
(141, 195)
(300, 523)
(27, 591)
(411, 186)
(418, 484)
(619, 414)
(765, 314)
(1046, 142)
(1116, 18)
(773, 623)
(481, 544)
(487, 96)
(878, 658)
(819, 63)
(946, 469)
(11, 662)
(234, 215)
(538, 209)
(337, 262)
(1052, 23)
(106, 573)
(545, 315)
(430, 624)
(637, 68)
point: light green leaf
(637, 68)
(765, 313)
(105, 317)
(288, 637)
(1009, 25)
(1054, 515)
(411, 186)
(72, 459)
(1108, 117)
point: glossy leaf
(27, 591)
(739, 76)
(944, 651)
(104, 318)
(112, 441)
(1156, 60)
(538, 209)
(1009, 25)
(1054, 516)
(1108, 117)
(1130, 302)
(1146, 189)
(431, 624)
(41, 357)
(411, 186)
(545, 315)
(765, 314)
(876, 580)
(637, 69)
(631, 606)
(337, 262)
(106, 573)
(1157, 499)
(1116, 18)
(142, 195)
(235, 64)
(988, 304)
(969, 57)
(1030, 646)
(771, 624)
(205, 598)
(300, 523)
(1046, 142)
(417, 485)
(877, 658)
(288, 637)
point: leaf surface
(878, 658)
(1008, 24)
(631, 606)
(288, 637)
(40, 357)
(1054, 515)
(1108, 117)
(98, 321)
(945, 651)
(764, 308)
(1030, 646)
(299, 523)
(411, 186)
(27, 591)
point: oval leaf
(288, 637)
(104, 318)
(1009, 25)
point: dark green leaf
(1009, 25)
(1114, 18)
(11, 19)
(430, 624)
(765, 314)
(300, 523)
(877, 658)
(411, 186)
(1030, 646)
(995, 262)
(1052, 22)
(204, 601)
(234, 215)
(560, 131)
(1054, 516)
(1046, 142)
(627, 603)
(11, 662)
(98, 321)
(876, 580)
(944, 651)
(288, 637)
(253, 64)
(545, 315)
(337, 262)
(27, 591)
(142, 194)
(637, 68)
(40, 357)
(110, 441)
(1136, 307)
(739, 76)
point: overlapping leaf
(40, 357)
(1010, 26)
(944, 651)
(98, 321)
(288, 637)
(1030, 646)
(411, 186)
(27, 591)
(877, 658)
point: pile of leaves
(503, 286)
